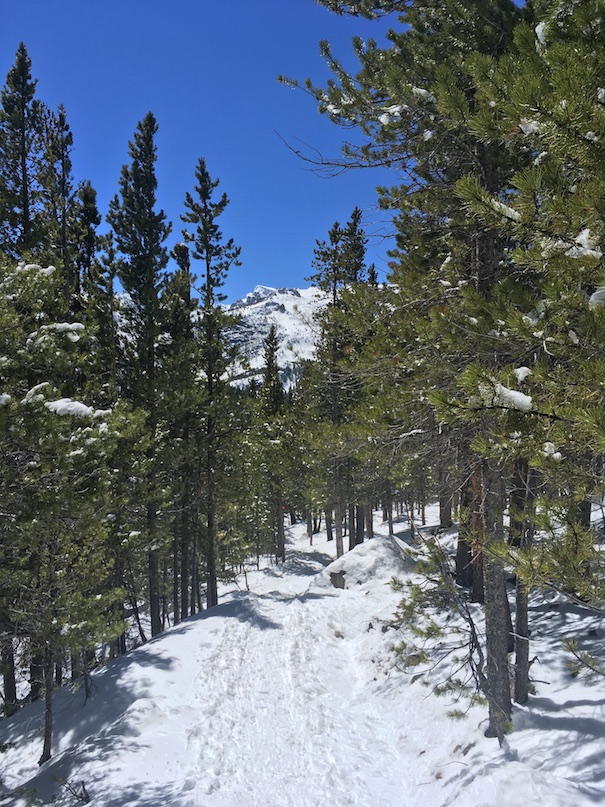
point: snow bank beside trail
(378, 560)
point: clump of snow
(541, 33)
(35, 394)
(512, 399)
(529, 126)
(5, 399)
(550, 452)
(34, 267)
(425, 95)
(508, 213)
(585, 245)
(522, 373)
(390, 113)
(598, 298)
(373, 562)
(67, 406)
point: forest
(136, 476)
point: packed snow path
(286, 695)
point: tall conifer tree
(140, 232)
(21, 160)
(216, 257)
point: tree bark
(329, 523)
(338, 529)
(352, 529)
(309, 515)
(445, 499)
(522, 529)
(281, 533)
(497, 612)
(369, 519)
(359, 523)
(48, 704)
(8, 676)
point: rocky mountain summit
(292, 312)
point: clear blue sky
(208, 71)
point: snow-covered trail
(288, 721)
(286, 695)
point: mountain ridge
(293, 312)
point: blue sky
(208, 71)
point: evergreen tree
(21, 160)
(414, 102)
(60, 202)
(56, 583)
(140, 232)
(216, 257)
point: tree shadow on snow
(99, 728)
(302, 565)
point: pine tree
(55, 575)
(140, 232)
(414, 103)
(60, 203)
(216, 257)
(21, 161)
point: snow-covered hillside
(287, 695)
(292, 312)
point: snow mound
(376, 561)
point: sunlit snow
(288, 695)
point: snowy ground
(287, 696)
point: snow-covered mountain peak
(262, 293)
(292, 311)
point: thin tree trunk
(445, 499)
(176, 566)
(310, 525)
(154, 573)
(185, 567)
(48, 704)
(338, 529)
(36, 673)
(8, 676)
(497, 612)
(360, 518)
(369, 519)
(329, 523)
(281, 533)
(352, 530)
(464, 546)
(525, 478)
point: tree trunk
(329, 523)
(281, 533)
(48, 704)
(497, 612)
(310, 525)
(359, 523)
(36, 673)
(8, 676)
(352, 530)
(154, 572)
(338, 529)
(369, 519)
(176, 567)
(522, 529)
(445, 499)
